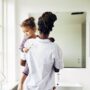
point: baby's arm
(22, 43)
(23, 61)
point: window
(1, 44)
(7, 43)
(1, 39)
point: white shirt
(41, 57)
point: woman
(44, 57)
(29, 28)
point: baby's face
(28, 31)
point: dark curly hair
(46, 22)
(29, 22)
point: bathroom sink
(69, 86)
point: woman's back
(41, 58)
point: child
(29, 28)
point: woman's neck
(43, 36)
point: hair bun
(46, 22)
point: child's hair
(46, 21)
(29, 22)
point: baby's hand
(25, 50)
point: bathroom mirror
(70, 34)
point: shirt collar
(43, 40)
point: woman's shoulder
(29, 42)
(55, 46)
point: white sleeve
(57, 56)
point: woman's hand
(25, 50)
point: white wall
(23, 8)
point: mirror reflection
(70, 34)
